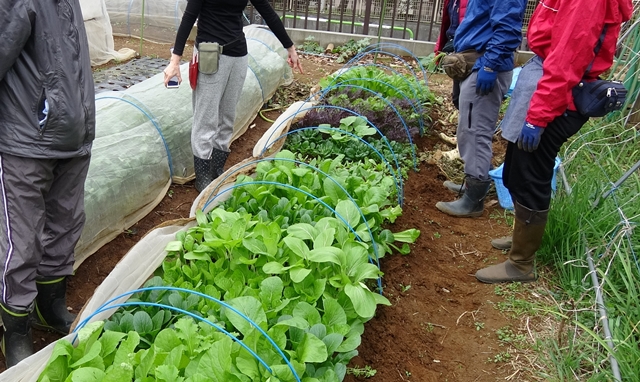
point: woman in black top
(217, 94)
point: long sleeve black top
(221, 21)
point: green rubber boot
(502, 243)
(528, 231)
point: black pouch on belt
(209, 57)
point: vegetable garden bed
(393, 337)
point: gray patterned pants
(214, 106)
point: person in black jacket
(217, 93)
(47, 126)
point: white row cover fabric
(139, 264)
(156, 20)
(143, 141)
(100, 34)
(131, 272)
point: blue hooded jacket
(493, 27)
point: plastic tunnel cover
(141, 138)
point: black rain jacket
(44, 54)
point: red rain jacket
(564, 33)
(446, 22)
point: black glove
(448, 47)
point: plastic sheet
(143, 142)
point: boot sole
(449, 212)
(490, 281)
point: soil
(442, 323)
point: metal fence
(405, 19)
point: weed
(351, 48)
(365, 372)
(437, 235)
(479, 325)
(512, 300)
(506, 335)
(405, 287)
(507, 289)
(502, 357)
(310, 45)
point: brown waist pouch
(458, 65)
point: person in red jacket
(452, 14)
(541, 116)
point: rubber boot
(218, 159)
(471, 203)
(502, 243)
(203, 172)
(17, 342)
(527, 237)
(455, 187)
(51, 311)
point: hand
(173, 70)
(294, 60)
(529, 138)
(486, 80)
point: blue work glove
(486, 80)
(529, 138)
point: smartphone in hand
(173, 83)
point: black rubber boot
(471, 203)
(51, 306)
(203, 172)
(455, 187)
(218, 159)
(17, 343)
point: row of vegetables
(275, 283)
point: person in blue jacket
(493, 29)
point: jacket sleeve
(189, 17)
(446, 22)
(15, 29)
(506, 22)
(575, 33)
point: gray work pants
(42, 216)
(477, 123)
(214, 106)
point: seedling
(364, 372)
